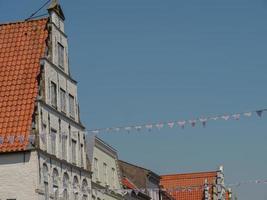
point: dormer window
(60, 55)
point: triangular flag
(214, 118)
(236, 116)
(181, 124)
(138, 128)
(11, 139)
(128, 129)
(1, 140)
(259, 112)
(95, 131)
(170, 124)
(192, 122)
(159, 125)
(149, 127)
(203, 121)
(21, 139)
(31, 138)
(225, 117)
(117, 129)
(248, 114)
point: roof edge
(23, 21)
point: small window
(113, 177)
(53, 94)
(45, 177)
(53, 141)
(96, 171)
(105, 168)
(74, 151)
(64, 146)
(72, 106)
(60, 56)
(55, 184)
(82, 155)
(75, 188)
(63, 100)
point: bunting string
(177, 123)
(139, 127)
(179, 188)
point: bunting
(191, 188)
(179, 123)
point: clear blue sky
(152, 60)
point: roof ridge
(189, 173)
(23, 21)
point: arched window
(84, 189)
(55, 178)
(75, 188)
(65, 186)
(45, 178)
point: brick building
(42, 140)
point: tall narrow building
(42, 140)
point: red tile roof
(128, 184)
(194, 180)
(22, 44)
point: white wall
(18, 176)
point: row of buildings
(44, 152)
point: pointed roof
(55, 6)
(22, 44)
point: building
(196, 186)
(133, 192)
(42, 140)
(144, 180)
(106, 180)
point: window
(105, 168)
(45, 178)
(72, 106)
(65, 186)
(44, 135)
(53, 94)
(82, 155)
(63, 100)
(60, 56)
(74, 151)
(64, 146)
(55, 184)
(53, 141)
(96, 172)
(75, 188)
(84, 186)
(113, 177)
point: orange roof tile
(128, 184)
(194, 180)
(22, 44)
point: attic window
(60, 55)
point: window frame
(61, 55)
(72, 106)
(53, 141)
(63, 101)
(74, 151)
(53, 94)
